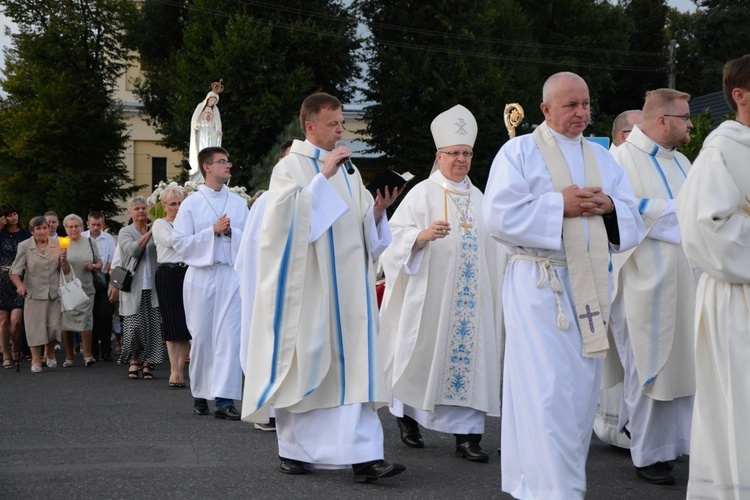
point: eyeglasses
(685, 118)
(222, 162)
(626, 131)
(456, 154)
(174, 204)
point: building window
(158, 170)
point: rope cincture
(549, 275)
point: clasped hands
(223, 226)
(585, 202)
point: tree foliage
(269, 56)
(62, 135)
(425, 57)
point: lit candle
(64, 242)
(445, 200)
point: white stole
(588, 268)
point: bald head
(566, 104)
(666, 117)
(623, 124)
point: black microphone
(347, 163)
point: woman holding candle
(83, 256)
(142, 345)
(11, 234)
(36, 276)
(443, 362)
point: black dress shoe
(201, 407)
(410, 434)
(377, 470)
(655, 474)
(669, 465)
(289, 466)
(228, 413)
(471, 451)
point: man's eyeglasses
(222, 162)
(456, 154)
(685, 118)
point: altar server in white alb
(561, 204)
(441, 319)
(654, 298)
(713, 208)
(312, 350)
(207, 235)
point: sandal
(133, 373)
(7, 364)
(147, 375)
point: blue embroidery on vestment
(464, 318)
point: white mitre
(453, 127)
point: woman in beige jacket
(36, 275)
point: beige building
(148, 162)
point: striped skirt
(169, 282)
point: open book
(389, 179)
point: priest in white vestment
(556, 290)
(610, 398)
(207, 235)
(713, 209)
(441, 318)
(654, 300)
(623, 125)
(312, 350)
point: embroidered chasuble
(312, 340)
(587, 259)
(441, 326)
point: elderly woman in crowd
(169, 279)
(139, 307)
(11, 234)
(38, 261)
(83, 256)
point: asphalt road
(81, 433)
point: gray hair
(622, 121)
(71, 217)
(171, 191)
(137, 200)
(37, 221)
(551, 84)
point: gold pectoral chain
(464, 224)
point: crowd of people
(578, 270)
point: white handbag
(72, 295)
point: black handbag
(122, 278)
(100, 279)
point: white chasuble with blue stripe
(312, 339)
(655, 280)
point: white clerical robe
(713, 209)
(212, 304)
(312, 350)
(652, 311)
(441, 323)
(549, 389)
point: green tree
(62, 135)
(261, 172)
(270, 57)
(424, 57)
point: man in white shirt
(101, 346)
